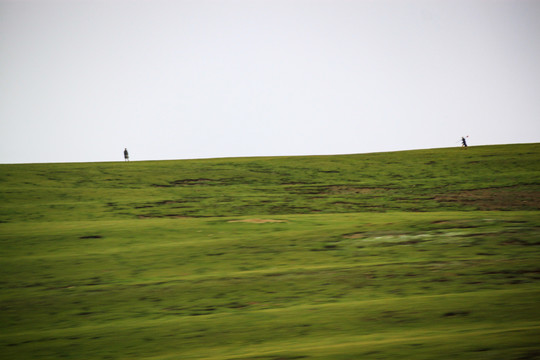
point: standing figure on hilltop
(126, 155)
(463, 142)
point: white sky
(81, 80)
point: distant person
(463, 142)
(126, 155)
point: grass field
(428, 254)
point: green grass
(429, 254)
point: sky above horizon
(80, 80)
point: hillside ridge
(478, 178)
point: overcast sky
(82, 79)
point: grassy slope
(420, 254)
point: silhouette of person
(126, 155)
(463, 142)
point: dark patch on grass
(530, 355)
(346, 189)
(358, 235)
(519, 242)
(187, 182)
(85, 313)
(344, 203)
(271, 357)
(91, 237)
(236, 305)
(168, 202)
(498, 198)
(175, 309)
(398, 243)
(512, 272)
(326, 247)
(199, 181)
(457, 313)
(33, 285)
(274, 274)
(409, 242)
(475, 234)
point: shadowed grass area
(274, 258)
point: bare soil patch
(355, 236)
(258, 221)
(508, 198)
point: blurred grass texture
(427, 254)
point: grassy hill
(418, 254)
